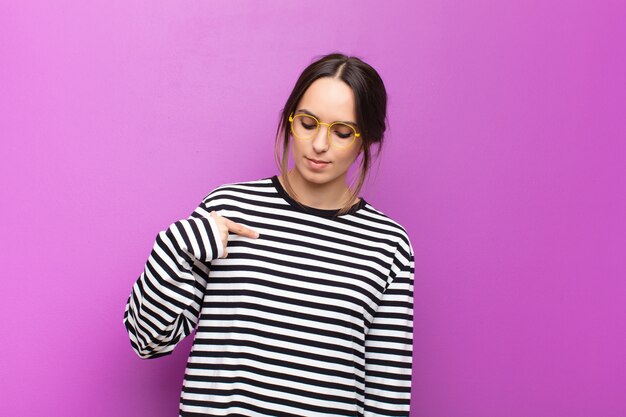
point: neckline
(313, 210)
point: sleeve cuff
(217, 237)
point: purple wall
(505, 162)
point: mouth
(318, 161)
(317, 164)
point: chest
(320, 271)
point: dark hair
(370, 99)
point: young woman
(300, 291)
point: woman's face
(329, 100)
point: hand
(227, 226)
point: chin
(314, 177)
(317, 177)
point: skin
(330, 100)
(227, 226)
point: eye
(307, 122)
(343, 131)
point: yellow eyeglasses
(305, 127)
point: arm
(389, 343)
(165, 301)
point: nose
(320, 141)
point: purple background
(505, 162)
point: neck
(328, 196)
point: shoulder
(391, 225)
(240, 187)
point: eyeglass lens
(305, 127)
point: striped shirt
(312, 318)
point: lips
(317, 164)
(319, 161)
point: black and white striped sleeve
(389, 343)
(164, 304)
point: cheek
(349, 159)
(296, 147)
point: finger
(241, 230)
(244, 231)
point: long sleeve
(165, 301)
(389, 342)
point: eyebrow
(311, 114)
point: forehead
(330, 99)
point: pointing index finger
(241, 230)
